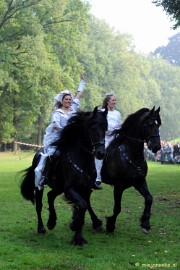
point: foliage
(168, 80)
(172, 8)
(30, 31)
(44, 47)
(171, 51)
(127, 248)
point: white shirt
(59, 120)
(114, 122)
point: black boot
(44, 178)
(97, 186)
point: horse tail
(27, 185)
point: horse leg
(39, 195)
(96, 222)
(110, 224)
(78, 216)
(52, 194)
(77, 225)
(145, 218)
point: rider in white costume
(64, 107)
(114, 122)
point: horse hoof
(51, 225)
(98, 228)
(97, 225)
(144, 230)
(41, 230)
(110, 225)
(79, 242)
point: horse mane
(128, 124)
(132, 118)
(73, 130)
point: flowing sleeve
(57, 121)
(75, 104)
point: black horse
(74, 171)
(124, 164)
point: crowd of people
(169, 153)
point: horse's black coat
(124, 164)
(74, 171)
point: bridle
(147, 139)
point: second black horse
(124, 164)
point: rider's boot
(44, 178)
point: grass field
(126, 249)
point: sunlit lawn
(128, 248)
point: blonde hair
(106, 99)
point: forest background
(44, 47)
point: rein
(101, 142)
(133, 139)
(90, 152)
(138, 168)
(141, 141)
(78, 168)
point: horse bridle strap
(101, 142)
(78, 168)
(138, 168)
(133, 139)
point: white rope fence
(28, 144)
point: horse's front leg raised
(110, 224)
(80, 207)
(39, 195)
(145, 218)
(52, 194)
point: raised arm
(80, 88)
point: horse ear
(95, 111)
(105, 112)
(158, 110)
(153, 109)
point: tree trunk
(40, 130)
(15, 146)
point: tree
(171, 52)
(172, 8)
(39, 49)
(168, 80)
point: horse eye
(156, 122)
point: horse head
(151, 130)
(97, 128)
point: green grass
(126, 249)
(175, 140)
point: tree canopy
(171, 51)
(172, 8)
(44, 47)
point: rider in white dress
(114, 122)
(64, 107)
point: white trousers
(40, 167)
(98, 165)
(98, 162)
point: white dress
(114, 122)
(59, 120)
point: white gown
(114, 122)
(58, 121)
